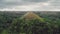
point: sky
(29, 5)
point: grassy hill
(31, 16)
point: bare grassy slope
(31, 16)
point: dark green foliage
(10, 23)
(27, 27)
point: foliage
(10, 23)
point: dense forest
(18, 23)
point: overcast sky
(29, 5)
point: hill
(31, 16)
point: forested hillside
(32, 23)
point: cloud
(35, 0)
(29, 5)
(19, 2)
(55, 3)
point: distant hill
(31, 16)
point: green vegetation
(18, 23)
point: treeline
(10, 23)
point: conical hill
(31, 16)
